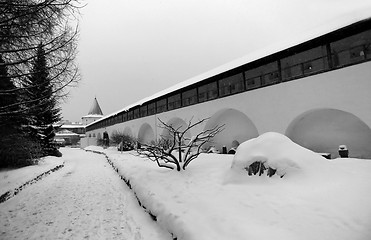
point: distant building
(73, 132)
(94, 114)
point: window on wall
(261, 76)
(304, 63)
(161, 106)
(189, 97)
(136, 113)
(207, 92)
(230, 85)
(130, 115)
(125, 116)
(143, 111)
(151, 108)
(174, 102)
(356, 48)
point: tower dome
(95, 108)
(94, 113)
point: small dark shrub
(260, 168)
(124, 141)
(100, 142)
(18, 150)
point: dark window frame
(144, 110)
(189, 97)
(210, 90)
(174, 102)
(231, 85)
(161, 105)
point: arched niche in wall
(127, 131)
(176, 123)
(323, 130)
(238, 127)
(146, 134)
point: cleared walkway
(83, 200)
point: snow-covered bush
(274, 154)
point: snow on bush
(275, 154)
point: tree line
(38, 47)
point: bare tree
(26, 25)
(177, 151)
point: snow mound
(275, 154)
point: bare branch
(176, 155)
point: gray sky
(130, 49)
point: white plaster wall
(324, 130)
(86, 141)
(273, 108)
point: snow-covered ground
(216, 199)
(83, 200)
(14, 178)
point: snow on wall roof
(72, 126)
(330, 26)
(92, 116)
(66, 133)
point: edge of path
(154, 217)
(31, 177)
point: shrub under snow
(275, 154)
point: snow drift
(277, 152)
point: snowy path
(83, 200)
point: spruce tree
(7, 94)
(15, 148)
(7, 126)
(41, 104)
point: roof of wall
(324, 29)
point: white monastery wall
(273, 108)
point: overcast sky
(130, 49)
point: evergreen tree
(7, 94)
(23, 25)
(41, 104)
(15, 148)
(7, 126)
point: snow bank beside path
(11, 179)
(329, 200)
